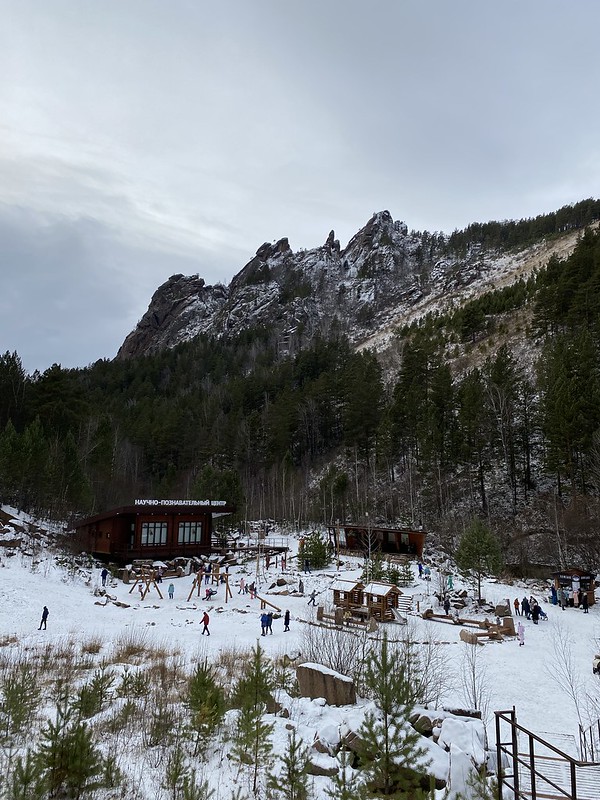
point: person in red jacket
(205, 621)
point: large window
(190, 533)
(154, 533)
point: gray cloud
(145, 138)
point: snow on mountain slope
(384, 278)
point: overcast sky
(144, 138)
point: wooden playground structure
(484, 628)
(145, 581)
(346, 618)
(216, 575)
(375, 600)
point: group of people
(266, 622)
(530, 609)
(247, 588)
(564, 597)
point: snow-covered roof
(343, 585)
(380, 588)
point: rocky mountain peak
(182, 304)
(332, 245)
(383, 278)
(268, 250)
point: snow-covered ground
(538, 679)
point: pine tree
(479, 552)
(390, 748)
(314, 549)
(405, 575)
(19, 698)
(292, 781)
(68, 760)
(206, 700)
(24, 782)
(252, 695)
(479, 787)
(346, 784)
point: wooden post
(197, 584)
(148, 578)
(227, 589)
(264, 603)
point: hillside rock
(180, 309)
(314, 680)
(385, 277)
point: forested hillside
(465, 426)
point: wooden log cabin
(381, 600)
(406, 541)
(151, 529)
(347, 594)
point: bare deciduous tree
(474, 679)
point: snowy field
(549, 680)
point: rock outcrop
(385, 277)
(316, 680)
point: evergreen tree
(68, 761)
(292, 781)
(19, 699)
(479, 552)
(12, 389)
(314, 549)
(253, 695)
(206, 700)
(479, 787)
(390, 751)
(24, 781)
(405, 576)
(346, 784)
(473, 430)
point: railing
(541, 770)
(251, 542)
(589, 742)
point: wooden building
(347, 594)
(381, 600)
(571, 580)
(152, 529)
(407, 541)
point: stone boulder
(423, 724)
(315, 680)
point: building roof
(380, 588)
(345, 585)
(154, 507)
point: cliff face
(385, 277)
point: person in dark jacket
(286, 621)
(44, 618)
(270, 623)
(585, 603)
(535, 613)
(525, 608)
(264, 623)
(447, 605)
